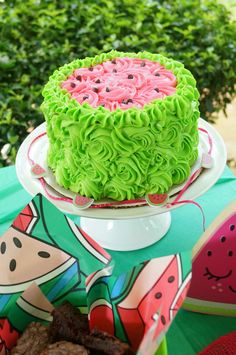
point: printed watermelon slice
(99, 311)
(213, 286)
(37, 171)
(82, 202)
(26, 219)
(8, 336)
(157, 199)
(149, 299)
(50, 261)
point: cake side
(121, 154)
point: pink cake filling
(121, 83)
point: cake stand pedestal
(130, 234)
(122, 229)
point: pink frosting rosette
(121, 83)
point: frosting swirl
(121, 83)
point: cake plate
(122, 228)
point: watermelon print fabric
(46, 259)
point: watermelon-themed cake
(121, 125)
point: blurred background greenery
(36, 37)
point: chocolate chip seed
(142, 64)
(98, 81)
(157, 74)
(3, 247)
(12, 265)
(95, 90)
(90, 69)
(157, 90)
(85, 97)
(114, 71)
(17, 242)
(163, 320)
(130, 76)
(113, 61)
(107, 89)
(158, 295)
(232, 227)
(171, 279)
(44, 254)
(78, 77)
(72, 85)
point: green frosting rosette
(121, 154)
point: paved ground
(226, 126)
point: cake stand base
(127, 235)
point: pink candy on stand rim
(38, 171)
(157, 199)
(82, 202)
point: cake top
(121, 83)
(180, 82)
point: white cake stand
(122, 229)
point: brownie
(101, 343)
(64, 348)
(34, 339)
(68, 324)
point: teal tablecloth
(190, 332)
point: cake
(121, 125)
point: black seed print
(12, 265)
(163, 320)
(232, 227)
(171, 279)
(158, 295)
(3, 247)
(17, 242)
(44, 254)
(209, 253)
(230, 253)
(223, 239)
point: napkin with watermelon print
(45, 259)
(213, 286)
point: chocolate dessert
(34, 339)
(63, 348)
(68, 324)
(68, 333)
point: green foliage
(39, 36)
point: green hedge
(40, 36)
